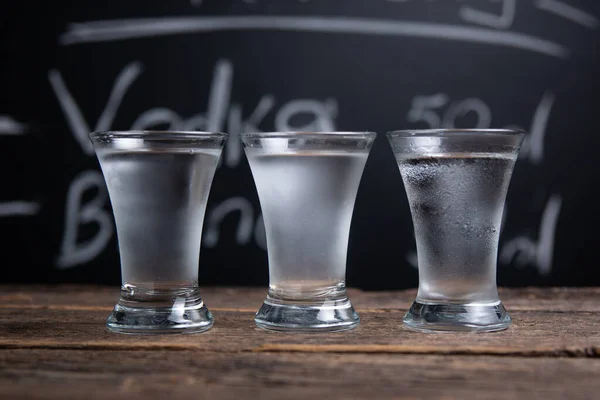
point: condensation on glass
(456, 182)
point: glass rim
(450, 132)
(309, 134)
(157, 134)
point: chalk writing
(533, 145)
(324, 113)
(213, 120)
(157, 116)
(244, 229)
(236, 125)
(318, 116)
(502, 21)
(135, 28)
(525, 251)
(74, 252)
(19, 208)
(430, 110)
(10, 126)
(462, 108)
(568, 12)
(424, 110)
(219, 95)
(77, 123)
(488, 25)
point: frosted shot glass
(456, 183)
(158, 183)
(307, 184)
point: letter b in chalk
(73, 252)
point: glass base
(159, 311)
(331, 314)
(440, 317)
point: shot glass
(158, 183)
(456, 183)
(307, 184)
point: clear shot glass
(307, 184)
(456, 182)
(158, 183)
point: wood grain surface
(54, 345)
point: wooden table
(53, 344)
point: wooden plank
(92, 297)
(249, 299)
(103, 374)
(533, 333)
(53, 344)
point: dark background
(468, 63)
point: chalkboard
(69, 68)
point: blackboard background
(369, 82)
